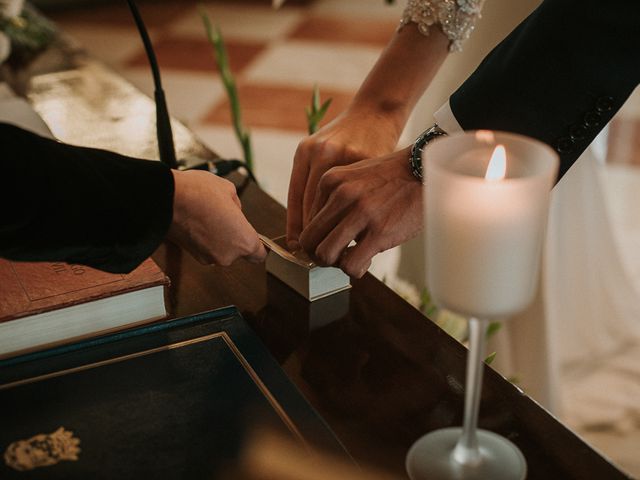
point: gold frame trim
(227, 340)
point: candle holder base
(431, 457)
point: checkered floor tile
(277, 56)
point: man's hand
(351, 137)
(376, 202)
(208, 221)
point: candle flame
(497, 165)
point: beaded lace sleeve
(456, 18)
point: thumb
(258, 253)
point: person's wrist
(388, 117)
(178, 214)
(415, 153)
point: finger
(324, 188)
(258, 254)
(297, 185)
(334, 245)
(357, 259)
(342, 183)
(322, 224)
(310, 193)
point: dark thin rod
(166, 147)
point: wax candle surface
(484, 237)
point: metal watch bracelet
(415, 157)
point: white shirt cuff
(446, 120)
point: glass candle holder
(484, 235)
(486, 204)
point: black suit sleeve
(559, 76)
(80, 205)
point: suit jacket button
(577, 132)
(604, 104)
(592, 119)
(565, 145)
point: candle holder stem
(466, 451)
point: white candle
(484, 236)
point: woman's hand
(351, 137)
(371, 126)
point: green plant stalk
(316, 112)
(28, 33)
(428, 308)
(214, 36)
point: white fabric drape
(592, 305)
(592, 302)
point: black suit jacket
(80, 205)
(559, 76)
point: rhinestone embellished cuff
(456, 18)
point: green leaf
(455, 325)
(325, 107)
(315, 112)
(514, 379)
(29, 33)
(315, 98)
(427, 306)
(425, 297)
(490, 358)
(493, 328)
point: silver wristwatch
(415, 157)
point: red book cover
(29, 288)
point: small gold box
(300, 273)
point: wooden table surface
(376, 370)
